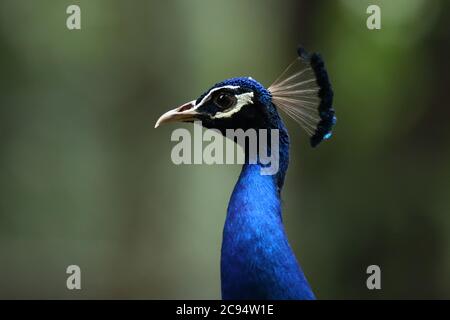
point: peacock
(257, 261)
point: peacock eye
(225, 101)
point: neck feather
(257, 261)
(282, 157)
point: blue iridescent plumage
(257, 261)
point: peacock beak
(186, 112)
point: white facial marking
(205, 98)
(242, 100)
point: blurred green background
(85, 178)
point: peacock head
(302, 91)
(237, 103)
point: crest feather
(303, 91)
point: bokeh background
(85, 178)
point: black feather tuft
(326, 111)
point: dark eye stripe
(225, 100)
(212, 92)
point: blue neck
(257, 261)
